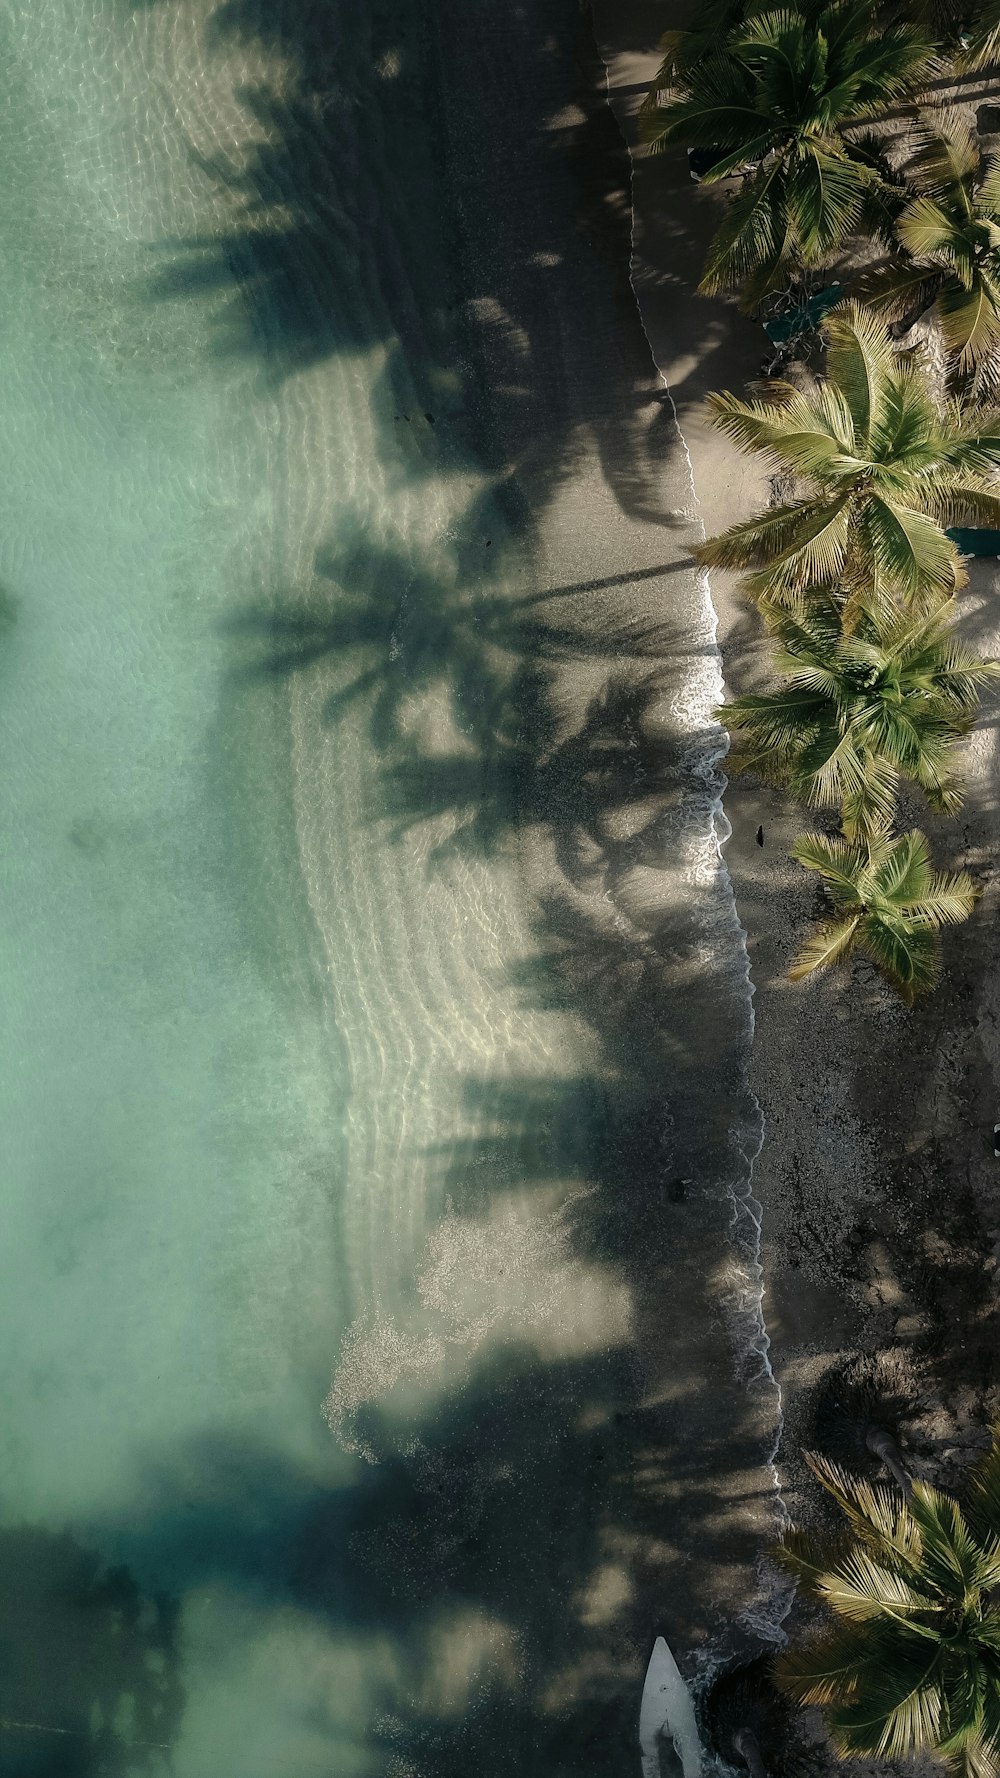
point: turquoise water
(374, 1011)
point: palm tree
(950, 233)
(887, 902)
(777, 91)
(912, 1662)
(858, 711)
(683, 50)
(983, 49)
(887, 468)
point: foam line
(748, 1322)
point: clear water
(369, 980)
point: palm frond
(830, 944)
(909, 957)
(860, 361)
(982, 1495)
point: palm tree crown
(887, 467)
(886, 902)
(776, 91)
(912, 1662)
(951, 234)
(859, 710)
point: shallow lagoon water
(374, 1007)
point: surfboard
(666, 1713)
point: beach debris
(760, 836)
(666, 1714)
(996, 1139)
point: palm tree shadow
(89, 1668)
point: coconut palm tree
(983, 46)
(858, 711)
(885, 466)
(776, 92)
(885, 901)
(950, 235)
(683, 50)
(911, 1663)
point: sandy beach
(877, 1177)
(398, 1292)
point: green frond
(950, 1556)
(754, 240)
(827, 1668)
(824, 194)
(860, 361)
(896, 1714)
(927, 229)
(909, 550)
(837, 861)
(860, 1589)
(874, 1511)
(982, 1492)
(897, 290)
(948, 157)
(948, 901)
(828, 945)
(970, 322)
(903, 873)
(909, 957)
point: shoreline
(876, 1173)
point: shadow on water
(383, 198)
(89, 1668)
(570, 1502)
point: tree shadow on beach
(451, 246)
(574, 1498)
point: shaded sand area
(376, 1002)
(880, 1191)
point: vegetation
(854, 574)
(911, 1663)
(983, 48)
(949, 233)
(887, 902)
(859, 710)
(885, 470)
(775, 94)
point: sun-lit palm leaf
(911, 1661)
(836, 859)
(825, 193)
(883, 468)
(773, 92)
(860, 361)
(860, 1589)
(927, 230)
(970, 322)
(909, 550)
(886, 886)
(950, 236)
(947, 157)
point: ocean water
(379, 1315)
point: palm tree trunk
(748, 1747)
(882, 1445)
(898, 329)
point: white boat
(666, 1717)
